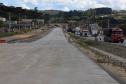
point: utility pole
(25, 23)
(19, 23)
(36, 24)
(108, 23)
(101, 27)
(9, 23)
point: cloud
(66, 9)
(20, 3)
(74, 4)
(71, 4)
(5, 3)
(24, 6)
(34, 2)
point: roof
(117, 29)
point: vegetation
(114, 49)
(7, 34)
(1, 24)
(100, 15)
(15, 11)
(105, 11)
(84, 42)
(123, 26)
(76, 15)
(91, 43)
(50, 12)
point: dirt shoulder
(30, 35)
(112, 66)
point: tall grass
(7, 34)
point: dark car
(69, 29)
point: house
(95, 27)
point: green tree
(1, 24)
(46, 18)
(36, 9)
(4, 25)
(76, 18)
(104, 24)
(123, 27)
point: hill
(15, 11)
(50, 12)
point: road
(49, 60)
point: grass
(7, 34)
(106, 46)
(74, 36)
(81, 44)
(91, 43)
(83, 41)
(14, 33)
(125, 38)
(118, 18)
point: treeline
(105, 11)
(79, 15)
(50, 12)
(15, 11)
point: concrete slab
(50, 60)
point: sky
(66, 5)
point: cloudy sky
(66, 5)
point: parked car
(69, 29)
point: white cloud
(66, 9)
(34, 2)
(5, 3)
(72, 4)
(24, 6)
(20, 3)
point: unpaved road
(50, 60)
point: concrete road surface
(50, 60)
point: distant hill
(35, 13)
(103, 11)
(50, 12)
(15, 11)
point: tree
(76, 18)
(36, 9)
(1, 24)
(46, 18)
(104, 24)
(4, 25)
(123, 27)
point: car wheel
(122, 41)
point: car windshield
(118, 32)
